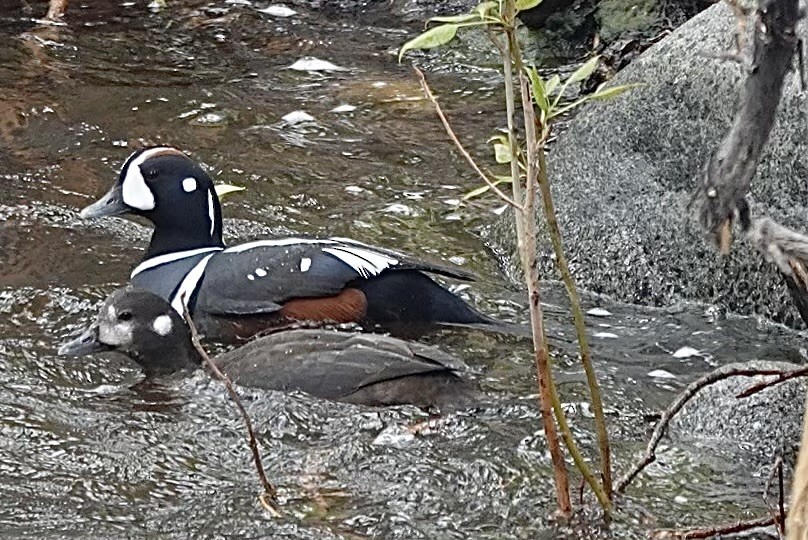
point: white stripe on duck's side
(189, 285)
(170, 257)
(364, 260)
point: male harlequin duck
(235, 292)
(365, 369)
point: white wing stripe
(169, 257)
(189, 285)
(276, 243)
(364, 262)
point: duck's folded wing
(259, 277)
(325, 364)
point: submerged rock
(623, 172)
(758, 427)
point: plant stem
(526, 234)
(269, 498)
(580, 328)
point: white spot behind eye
(163, 325)
(260, 272)
(305, 264)
(189, 184)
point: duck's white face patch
(134, 189)
(305, 264)
(163, 325)
(116, 335)
(189, 184)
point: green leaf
(434, 37)
(584, 71)
(539, 90)
(223, 190)
(502, 153)
(484, 188)
(466, 17)
(578, 75)
(522, 5)
(608, 93)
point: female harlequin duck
(234, 292)
(365, 369)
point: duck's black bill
(86, 343)
(110, 204)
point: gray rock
(758, 427)
(624, 170)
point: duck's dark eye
(125, 316)
(150, 174)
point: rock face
(623, 172)
(758, 427)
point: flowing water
(88, 450)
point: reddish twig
(782, 377)
(718, 530)
(777, 469)
(686, 395)
(269, 498)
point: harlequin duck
(366, 369)
(234, 292)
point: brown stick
(782, 377)
(686, 395)
(269, 498)
(718, 530)
(449, 131)
(56, 10)
(728, 173)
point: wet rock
(758, 427)
(623, 172)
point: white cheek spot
(260, 272)
(163, 325)
(250, 277)
(305, 264)
(112, 313)
(189, 184)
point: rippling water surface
(89, 450)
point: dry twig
(718, 530)
(56, 10)
(449, 131)
(686, 395)
(269, 498)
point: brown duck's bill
(110, 204)
(86, 343)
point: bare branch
(686, 395)
(269, 498)
(459, 145)
(56, 10)
(728, 174)
(711, 532)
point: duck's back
(356, 368)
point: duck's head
(141, 325)
(172, 191)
